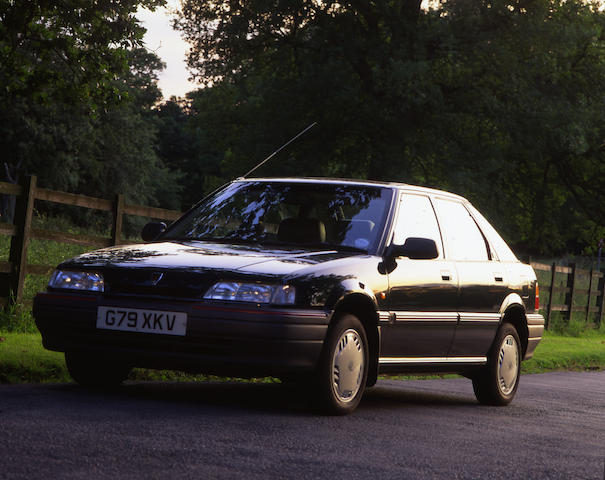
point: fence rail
(564, 282)
(12, 272)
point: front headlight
(92, 282)
(252, 292)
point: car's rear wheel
(497, 383)
(95, 371)
(343, 367)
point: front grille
(161, 283)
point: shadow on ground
(261, 397)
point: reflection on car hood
(204, 256)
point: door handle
(446, 276)
(498, 277)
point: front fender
(327, 291)
(352, 286)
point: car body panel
(423, 297)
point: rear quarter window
(503, 251)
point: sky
(168, 45)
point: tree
(69, 51)
(498, 100)
(534, 73)
(77, 97)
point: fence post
(118, 214)
(571, 284)
(601, 289)
(551, 294)
(20, 241)
(589, 301)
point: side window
(460, 232)
(416, 218)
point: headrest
(301, 230)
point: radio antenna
(280, 149)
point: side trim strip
(383, 317)
(426, 317)
(431, 360)
(450, 317)
(468, 317)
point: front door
(422, 295)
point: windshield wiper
(212, 240)
(349, 248)
(338, 248)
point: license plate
(141, 320)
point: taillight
(537, 305)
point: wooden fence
(12, 273)
(565, 284)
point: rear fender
(512, 311)
(512, 300)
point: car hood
(202, 256)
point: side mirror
(152, 230)
(414, 248)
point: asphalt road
(425, 429)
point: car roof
(325, 180)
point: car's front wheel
(94, 371)
(343, 367)
(497, 383)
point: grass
(563, 352)
(24, 360)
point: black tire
(339, 390)
(94, 371)
(497, 383)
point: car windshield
(329, 215)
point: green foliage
(16, 319)
(500, 101)
(67, 52)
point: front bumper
(224, 339)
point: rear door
(483, 282)
(422, 294)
